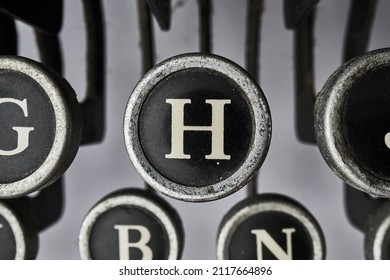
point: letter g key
(40, 126)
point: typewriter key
(131, 225)
(39, 124)
(269, 227)
(352, 124)
(377, 234)
(197, 127)
(18, 238)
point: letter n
(263, 237)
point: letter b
(125, 245)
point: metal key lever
(360, 206)
(146, 36)
(93, 107)
(205, 8)
(361, 18)
(252, 57)
(296, 10)
(48, 204)
(46, 15)
(161, 10)
(300, 16)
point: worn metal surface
(377, 230)
(17, 230)
(261, 131)
(67, 127)
(265, 203)
(328, 112)
(133, 198)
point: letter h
(216, 129)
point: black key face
(27, 126)
(7, 240)
(126, 232)
(367, 122)
(195, 127)
(270, 227)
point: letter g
(23, 132)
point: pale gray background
(291, 168)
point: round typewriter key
(197, 127)
(377, 234)
(131, 225)
(39, 126)
(352, 124)
(269, 227)
(17, 240)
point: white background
(291, 168)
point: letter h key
(197, 131)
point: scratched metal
(67, 126)
(328, 112)
(261, 132)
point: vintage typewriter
(183, 129)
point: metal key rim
(17, 230)
(328, 111)
(129, 200)
(268, 203)
(261, 132)
(61, 152)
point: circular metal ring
(133, 199)
(328, 112)
(261, 135)
(67, 126)
(377, 234)
(263, 204)
(17, 230)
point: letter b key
(197, 127)
(131, 224)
